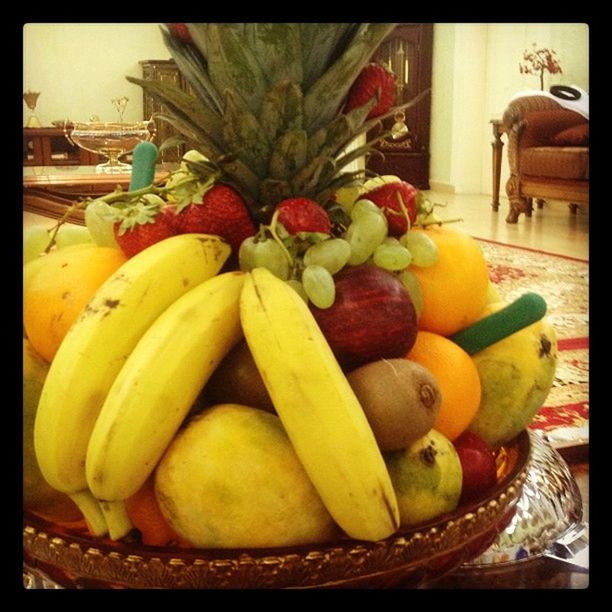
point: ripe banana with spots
(155, 389)
(97, 346)
(317, 407)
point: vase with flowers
(538, 61)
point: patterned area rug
(564, 283)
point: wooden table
(49, 190)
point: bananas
(98, 344)
(156, 387)
(318, 408)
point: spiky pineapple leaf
(282, 109)
(244, 137)
(277, 48)
(288, 155)
(231, 65)
(323, 100)
(322, 44)
(190, 112)
(193, 67)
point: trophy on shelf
(31, 98)
(110, 139)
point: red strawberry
(141, 227)
(182, 31)
(386, 197)
(222, 212)
(303, 216)
(374, 79)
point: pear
(38, 495)
(231, 479)
(516, 375)
(427, 478)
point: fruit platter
(270, 370)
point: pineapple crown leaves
(271, 95)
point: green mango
(427, 478)
(516, 375)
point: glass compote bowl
(112, 140)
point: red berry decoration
(302, 216)
(182, 31)
(387, 198)
(374, 79)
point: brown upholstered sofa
(548, 153)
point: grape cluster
(309, 266)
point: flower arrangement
(539, 61)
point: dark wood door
(408, 52)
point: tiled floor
(553, 229)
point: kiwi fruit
(237, 381)
(400, 398)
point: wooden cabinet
(50, 147)
(167, 71)
(408, 52)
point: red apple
(478, 464)
(372, 317)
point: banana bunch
(97, 347)
(317, 407)
(155, 389)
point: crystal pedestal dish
(67, 556)
(111, 140)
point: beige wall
(475, 73)
(79, 68)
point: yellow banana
(98, 344)
(316, 405)
(155, 389)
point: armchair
(548, 154)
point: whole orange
(455, 287)
(61, 287)
(457, 378)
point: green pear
(427, 478)
(231, 479)
(516, 375)
(38, 495)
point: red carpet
(564, 283)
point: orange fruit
(144, 512)
(457, 377)
(61, 287)
(455, 287)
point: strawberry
(182, 31)
(303, 216)
(140, 226)
(374, 79)
(222, 211)
(387, 197)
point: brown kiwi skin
(400, 398)
(237, 381)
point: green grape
(35, 241)
(391, 255)
(99, 220)
(364, 235)
(69, 234)
(269, 254)
(332, 254)
(364, 208)
(299, 288)
(246, 254)
(423, 249)
(411, 282)
(319, 286)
